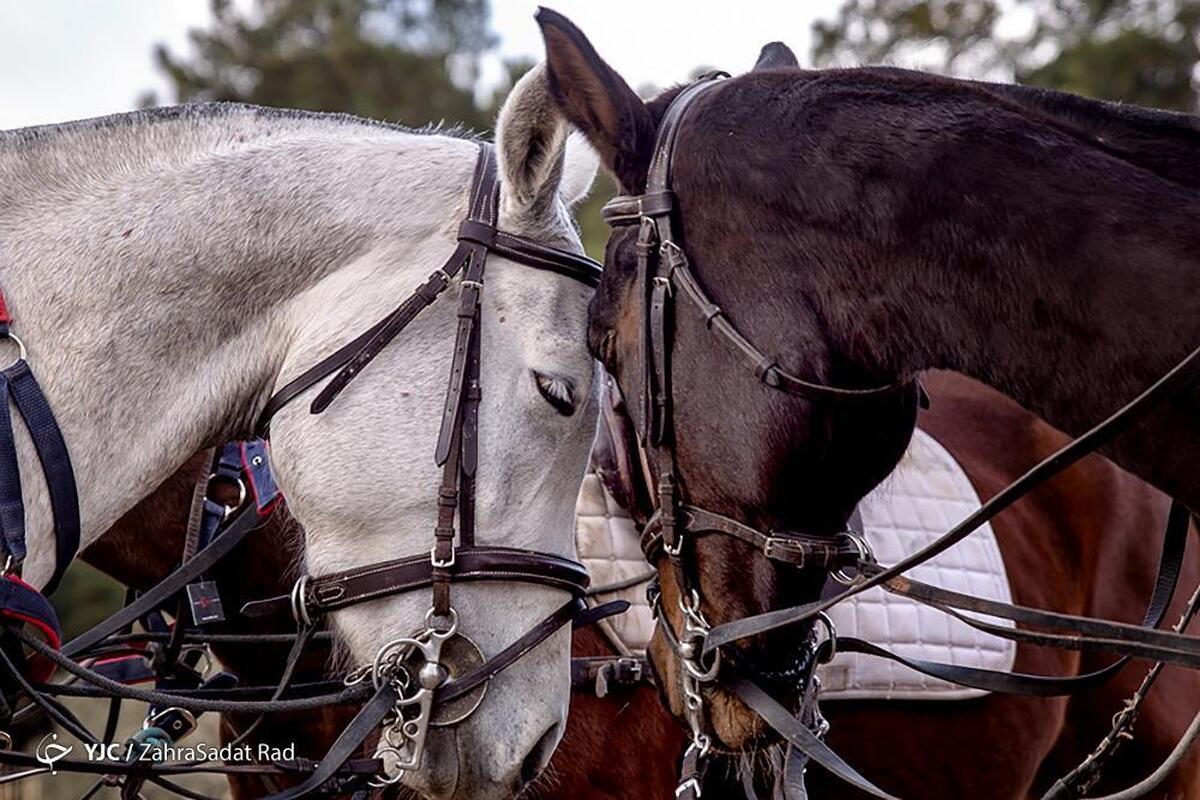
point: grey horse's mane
(71, 153)
(217, 112)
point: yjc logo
(50, 752)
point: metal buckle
(299, 606)
(673, 252)
(783, 545)
(176, 722)
(22, 353)
(448, 563)
(628, 670)
(865, 556)
(242, 492)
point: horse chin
(733, 726)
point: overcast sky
(68, 59)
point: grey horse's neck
(161, 267)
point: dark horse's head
(755, 207)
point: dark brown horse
(1079, 545)
(861, 226)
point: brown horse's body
(1085, 544)
(1079, 545)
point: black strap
(1183, 375)
(351, 738)
(239, 525)
(56, 467)
(572, 611)
(1166, 580)
(799, 736)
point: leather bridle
(415, 666)
(664, 274)
(436, 676)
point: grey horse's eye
(556, 390)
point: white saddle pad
(926, 494)
(923, 498)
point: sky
(69, 59)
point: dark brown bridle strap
(352, 357)
(1165, 583)
(765, 367)
(1184, 374)
(341, 589)
(654, 209)
(798, 735)
(800, 550)
(572, 611)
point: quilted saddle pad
(926, 494)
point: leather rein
(664, 274)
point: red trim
(5, 317)
(40, 669)
(269, 508)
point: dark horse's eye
(556, 390)
(607, 350)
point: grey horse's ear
(531, 137)
(775, 55)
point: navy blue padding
(210, 522)
(262, 483)
(229, 462)
(19, 600)
(126, 669)
(56, 465)
(12, 506)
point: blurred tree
(415, 61)
(1141, 51)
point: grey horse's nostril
(539, 756)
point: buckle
(447, 564)
(22, 353)
(783, 548)
(175, 722)
(628, 670)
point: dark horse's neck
(1047, 246)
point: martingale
(437, 676)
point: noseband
(438, 674)
(665, 274)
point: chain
(1085, 776)
(412, 666)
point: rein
(664, 274)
